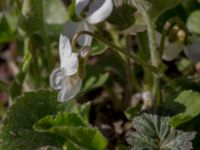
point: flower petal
(56, 79)
(71, 65)
(192, 50)
(65, 50)
(99, 10)
(172, 50)
(80, 6)
(71, 87)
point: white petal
(80, 6)
(65, 49)
(192, 50)
(172, 50)
(56, 78)
(71, 87)
(99, 10)
(71, 65)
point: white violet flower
(191, 50)
(98, 11)
(66, 78)
(171, 50)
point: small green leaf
(121, 14)
(153, 132)
(190, 102)
(73, 128)
(17, 129)
(6, 34)
(84, 110)
(94, 79)
(98, 48)
(193, 22)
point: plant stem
(112, 46)
(48, 51)
(155, 57)
(35, 66)
(133, 56)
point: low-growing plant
(100, 74)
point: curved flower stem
(112, 46)
(133, 56)
(168, 25)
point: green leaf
(193, 22)
(121, 14)
(17, 132)
(84, 110)
(170, 94)
(154, 8)
(85, 138)
(190, 102)
(153, 132)
(95, 78)
(66, 118)
(98, 48)
(73, 128)
(6, 34)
